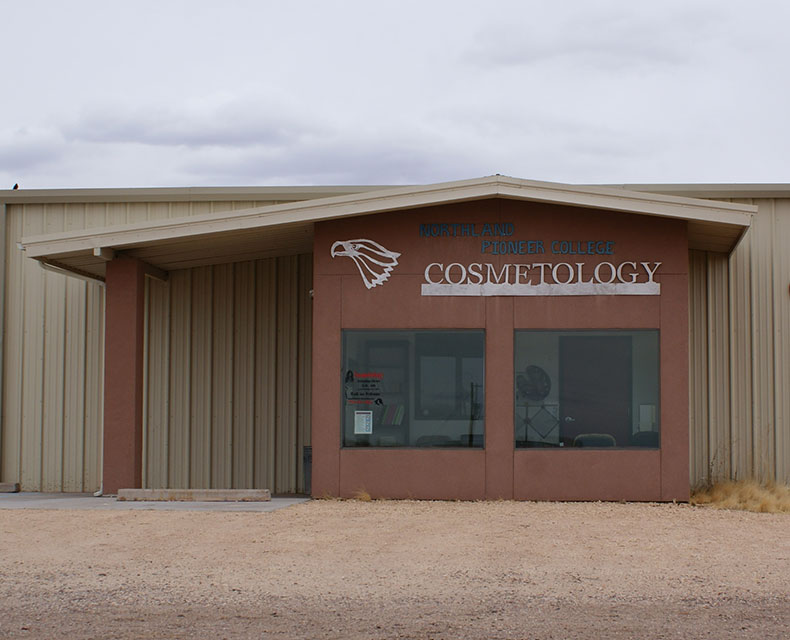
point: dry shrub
(362, 495)
(744, 495)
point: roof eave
(721, 214)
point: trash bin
(307, 463)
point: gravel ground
(334, 569)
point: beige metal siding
(259, 321)
(698, 358)
(740, 313)
(52, 364)
(781, 308)
(763, 387)
(51, 432)
(228, 358)
(718, 327)
(740, 354)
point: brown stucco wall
(123, 375)
(341, 301)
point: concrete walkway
(31, 500)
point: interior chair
(594, 440)
(471, 440)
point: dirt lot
(330, 569)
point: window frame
(414, 399)
(520, 421)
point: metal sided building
(488, 338)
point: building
(486, 338)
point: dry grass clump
(362, 496)
(744, 495)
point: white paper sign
(363, 422)
(647, 417)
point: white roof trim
(609, 198)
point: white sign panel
(541, 279)
(363, 422)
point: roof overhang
(283, 229)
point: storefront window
(587, 389)
(413, 388)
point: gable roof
(283, 229)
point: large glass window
(413, 388)
(587, 389)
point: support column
(500, 440)
(123, 375)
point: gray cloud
(249, 141)
(610, 90)
(338, 160)
(27, 148)
(240, 123)
(611, 37)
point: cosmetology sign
(556, 267)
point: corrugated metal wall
(53, 351)
(740, 354)
(228, 386)
(52, 361)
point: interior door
(595, 386)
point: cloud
(235, 123)
(26, 148)
(598, 36)
(338, 158)
(249, 140)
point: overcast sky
(172, 93)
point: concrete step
(196, 495)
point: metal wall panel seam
(34, 284)
(244, 374)
(56, 423)
(3, 220)
(718, 366)
(165, 378)
(150, 401)
(698, 345)
(753, 461)
(291, 394)
(265, 366)
(157, 404)
(146, 346)
(770, 474)
(54, 365)
(305, 372)
(762, 335)
(10, 466)
(74, 367)
(202, 342)
(74, 377)
(94, 388)
(179, 366)
(286, 378)
(740, 359)
(222, 376)
(702, 389)
(781, 242)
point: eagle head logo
(375, 263)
